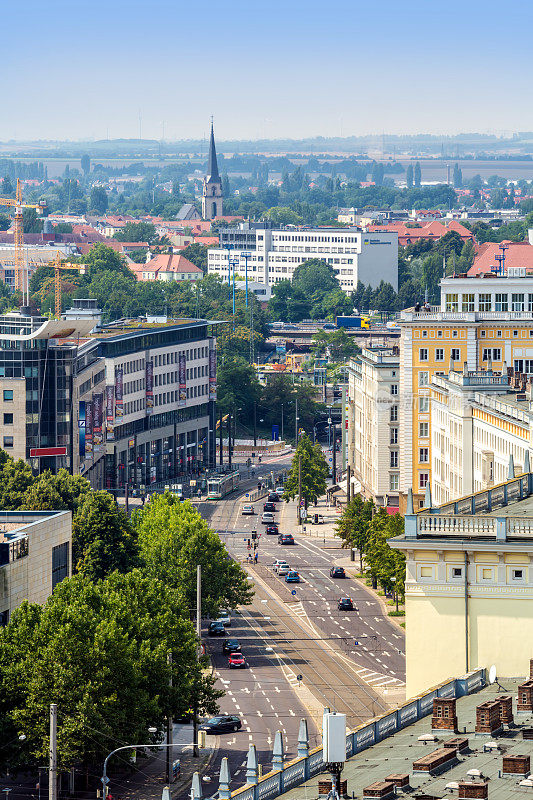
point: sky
(269, 69)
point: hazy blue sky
(272, 68)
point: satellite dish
(492, 674)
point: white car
(247, 509)
(267, 517)
(278, 564)
(224, 616)
(283, 569)
(279, 490)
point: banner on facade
(149, 378)
(109, 413)
(119, 393)
(81, 429)
(213, 373)
(182, 380)
(88, 427)
(98, 419)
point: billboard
(119, 393)
(109, 413)
(89, 427)
(182, 380)
(149, 372)
(81, 429)
(213, 373)
(98, 419)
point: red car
(236, 660)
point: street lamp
(104, 778)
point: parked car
(273, 497)
(236, 660)
(272, 529)
(224, 617)
(267, 517)
(283, 569)
(337, 572)
(216, 628)
(231, 646)
(345, 604)
(285, 538)
(292, 577)
(269, 507)
(247, 509)
(221, 724)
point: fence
(304, 767)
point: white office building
(272, 256)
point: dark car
(231, 646)
(273, 497)
(337, 572)
(216, 628)
(345, 604)
(272, 529)
(221, 724)
(269, 507)
(285, 538)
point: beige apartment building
(35, 555)
(373, 424)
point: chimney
(506, 708)
(525, 697)
(473, 789)
(488, 717)
(444, 714)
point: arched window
(214, 211)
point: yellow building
(482, 322)
(469, 584)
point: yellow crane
(58, 266)
(19, 207)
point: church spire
(212, 165)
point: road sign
(331, 459)
(302, 503)
(247, 495)
(293, 592)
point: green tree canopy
(137, 232)
(103, 538)
(98, 200)
(309, 464)
(197, 255)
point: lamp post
(105, 779)
(296, 420)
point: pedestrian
(256, 557)
(417, 307)
(427, 307)
(249, 544)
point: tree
(289, 303)
(314, 276)
(5, 222)
(173, 540)
(385, 565)
(339, 345)
(98, 200)
(417, 174)
(103, 538)
(67, 491)
(352, 526)
(31, 222)
(86, 163)
(308, 474)
(237, 386)
(103, 259)
(409, 176)
(283, 215)
(15, 479)
(137, 232)
(6, 187)
(197, 255)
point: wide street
(302, 652)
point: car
(269, 507)
(285, 538)
(216, 628)
(292, 577)
(247, 510)
(224, 723)
(273, 497)
(224, 617)
(316, 519)
(231, 646)
(345, 604)
(272, 529)
(337, 572)
(267, 517)
(283, 569)
(277, 562)
(236, 660)
(279, 490)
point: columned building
(212, 204)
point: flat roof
(395, 755)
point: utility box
(334, 738)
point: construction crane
(19, 207)
(58, 266)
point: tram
(219, 487)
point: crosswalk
(376, 679)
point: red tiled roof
(431, 231)
(519, 254)
(166, 263)
(208, 241)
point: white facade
(373, 424)
(354, 255)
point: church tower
(212, 191)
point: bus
(219, 487)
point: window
(8, 441)
(394, 413)
(517, 302)
(8, 419)
(8, 395)
(423, 378)
(423, 354)
(524, 366)
(394, 388)
(485, 302)
(482, 334)
(423, 479)
(468, 302)
(530, 302)
(423, 430)
(394, 459)
(501, 302)
(457, 572)
(452, 302)
(423, 405)
(439, 354)
(394, 482)
(394, 435)
(59, 563)
(493, 353)
(518, 574)
(423, 455)
(515, 334)
(455, 354)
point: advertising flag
(213, 373)
(109, 413)
(119, 393)
(182, 380)
(149, 387)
